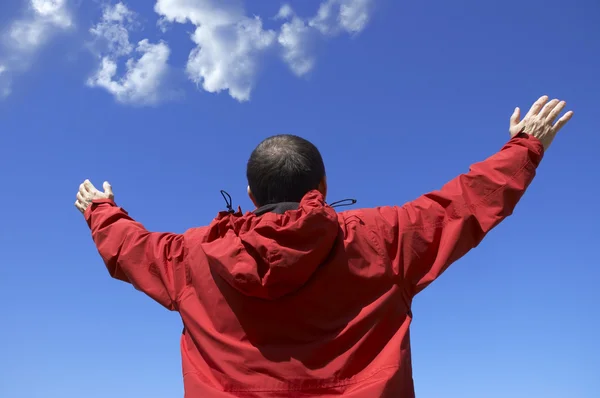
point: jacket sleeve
(152, 262)
(425, 236)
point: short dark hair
(284, 168)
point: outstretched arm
(152, 262)
(430, 233)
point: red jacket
(310, 302)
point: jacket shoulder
(372, 216)
(196, 234)
(377, 220)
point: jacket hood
(268, 255)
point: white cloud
(113, 31)
(285, 12)
(334, 17)
(141, 84)
(32, 31)
(339, 16)
(229, 44)
(297, 40)
(143, 80)
(26, 35)
(54, 11)
(5, 82)
(227, 58)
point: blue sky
(399, 96)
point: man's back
(296, 299)
(310, 302)
(307, 301)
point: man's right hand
(539, 121)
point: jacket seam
(470, 208)
(187, 281)
(324, 386)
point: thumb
(516, 117)
(107, 189)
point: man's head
(283, 168)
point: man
(295, 299)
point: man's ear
(252, 198)
(322, 187)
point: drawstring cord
(343, 202)
(339, 203)
(228, 201)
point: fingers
(88, 186)
(80, 206)
(540, 119)
(537, 106)
(562, 121)
(80, 197)
(548, 108)
(556, 111)
(108, 189)
(515, 118)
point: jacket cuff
(94, 205)
(534, 145)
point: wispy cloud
(146, 64)
(342, 16)
(297, 40)
(229, 44)
(26, 35)
(333, 17)
(5, 82)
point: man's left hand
(88, 193)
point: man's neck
(277, 208)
